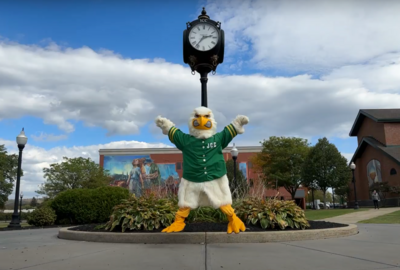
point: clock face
(203, 37)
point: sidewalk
(362, 215)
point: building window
(393, 171)
(178, 166)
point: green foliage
(206, 214)
(284, 161)
(44, 216)
(239, 188)
(396, 190)
(318, 195)
(8, 216)
(33, 202)
(83, 206)
(8, 174)
(73, 173)
(325, 167)
(143, 213)
(271, 213)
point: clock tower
(203, 48)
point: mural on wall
(140, 174)
(374, 172)
(243, 169)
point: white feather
(164, 123)
(198, 133)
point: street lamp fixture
(203, 48)
(21, 141)
(234, 154)
(20, 205)
(353, 167)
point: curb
(207, 237)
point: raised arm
(165, 124)
(231, 130)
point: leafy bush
(145, 212)
(44, 216)
(83, 206)
(271, 213)
(206, 214)
(8, 216)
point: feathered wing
(164, 123)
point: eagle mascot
(204, 181)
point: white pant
(215, 193)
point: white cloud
(44, 137)
(308, 35)
(63, 86)
(36, 158)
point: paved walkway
(362, 215)
(375, 247)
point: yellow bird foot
(175, 227)
(179, 224)
(235, 225)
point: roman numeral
(213, 32)
(214, 37)
(197, 46)
(198, 28)
(209, 28)
(192, 37)
(194, 42)
(209, 46)
(194, 32)
(212, 42)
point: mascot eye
(207, 116)
(197, 116)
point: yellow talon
(235, 224)
(179, 223)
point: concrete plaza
(375, 247)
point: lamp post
(203, 48)
(21, 141)
(234, 154)
(20, 205)
(353, 167)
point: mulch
(211, 227)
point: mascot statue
(204, 181)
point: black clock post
(203, 48)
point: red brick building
(377, 157)
(169, 160)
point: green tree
(326, 166)
(396, 190)
(33, 202)
(73, 173)
(284, 161)
(319, 195)
(343, 193)
(240, 187)
(8, 174)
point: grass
(328, 213)
(5, 224)
(391, 218)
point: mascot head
(202, 124)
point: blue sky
(84, 75)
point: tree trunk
(324, 191)
(333, 199)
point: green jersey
(202, 158)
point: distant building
(168, 161)
(377, 157)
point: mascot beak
(202, 122)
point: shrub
(8, 216)
(83, 206)
(271, 213)
(145, 212)
(44, 216)
(206, 214)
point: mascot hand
(242, 120)
(239, 122)
(164, 124)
